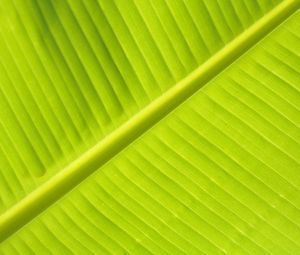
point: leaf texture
(73, 71)
(218, 175)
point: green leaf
(111, 143)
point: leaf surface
(83, 83)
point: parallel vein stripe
(85, 165)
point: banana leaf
(150, 127)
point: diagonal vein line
(56, 187)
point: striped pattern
(219, 175)
(72, 71)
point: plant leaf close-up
(150, 127)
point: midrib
(56, 187)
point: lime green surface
(82, 83)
